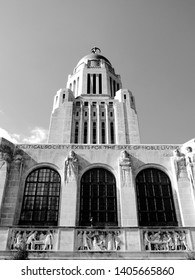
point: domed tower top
(95, 55)
(94, 75)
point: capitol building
(93, 191)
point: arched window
(41, 198)
(155, 198)
(98, 198)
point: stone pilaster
(128, 197)
(185, 190)
(69, 191)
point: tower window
(76, 135)
(100, 83)
(111, 114)
(103, 133)
(94, 133)
(112, 132)
(94, 83)
(102, 114)
(114, 87)
(63, 97)
(85, 103)
(117, 86)
(77, 104)
(85, 114)
(74, 86)
(85, 133)
(88, 83)
(94, 114)
(111, 86)
(77, 113)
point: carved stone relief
(97, 240)
(5, 156)
(32, 240)
(71, 167)
(170, 240)
(125, 169)
(190, 164)
(180, 163)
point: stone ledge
(56, 255)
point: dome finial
(95, 50)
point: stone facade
(116, 195)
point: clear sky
(150, 43)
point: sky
(150, 43)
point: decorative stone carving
(71, 167)
(125, 169)
(5, 155)
(32, 240)
(18, 160)
(163, 240)
(98, 240)
(190, 161)
(180, 164)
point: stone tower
(94, 108)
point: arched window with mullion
(41, 198)
(98, 198)
(155, 198)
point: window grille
(41, 198)
(155, 199)
(98, 205)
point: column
(69, 191)
(98, 124)
(128, 195)
(97, 83)
(81, 126)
